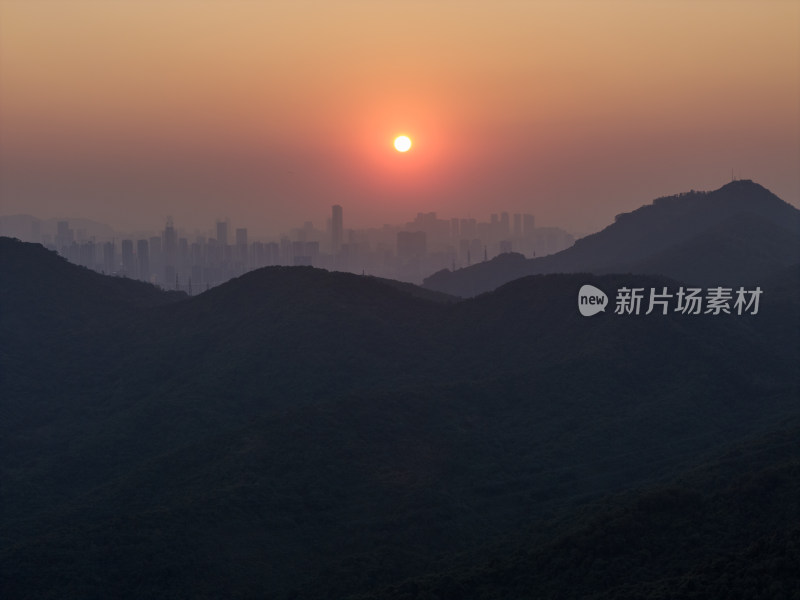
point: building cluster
(407, 252)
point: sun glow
(402, 143)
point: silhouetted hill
(50, 295)
(51, 309)
(726, 529)
(274, 338)
(299, 433)
(420, 292)
(742, 250)
(730, 236)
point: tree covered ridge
(311, 434)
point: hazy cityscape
(399, 300)
(175, 260)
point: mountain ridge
(663, 237)
(312, 434)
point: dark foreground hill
(43, 293)
(728, 529)
(732, 236)
(298, 433)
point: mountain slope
(45, 293)
(690, 234)
(321, 434)
(726, 529)
(154, 378)
(741, 250)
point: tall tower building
(64, 237)
(337, 229)
(505, 224)
(222, 233)
(128, 264)
(411, 244)
(143, 256)
(170, 244)
(517, 225)
(528, 225)
(241, 246)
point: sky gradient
(266, 113)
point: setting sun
(402, 143)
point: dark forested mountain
(727, 529)
(43, 294)
(296, 433)
(731, 236)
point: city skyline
(173, 259)
(267, 112)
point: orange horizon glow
(270, 112)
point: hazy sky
(269, 112)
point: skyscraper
(241, 246)
(128, 265)
(529, 224)
(336, 229)
(64, 237)
(170, 245)
(143, 256)
(505, 224)
(517, 225)
(222, 233)
(411, 244)
(109, 258)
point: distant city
(407, 252)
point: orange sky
(269, 112)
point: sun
(402, 143)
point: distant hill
(49, 295)
(741, 250)
(731, 236)
(296, 433)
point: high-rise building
(222, 233)
(128, 264)
(285, 252)
(411, 244)
(528, 225)
(312, 250)
(170, 245)
(517, 225)
(299, 257)
(143, 256)
(454, 228)
(183, 253)
(272, 252)
(258, 255)
(469, 228)
(156, 268)
(337, 228)
(109, 262)
(241, 246)
(505, 225)
(64, 237)
(87, 255)
(156, 249)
